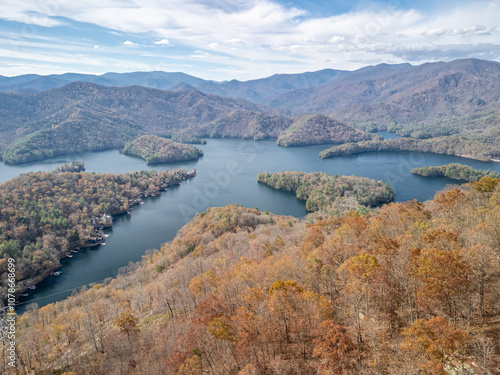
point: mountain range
(461, 97)
(254, 90)
(433, 99)
(85, 116)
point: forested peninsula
(455, 171)
(324, 192)
(44, 215)
(155, 150)
(413, 289)
(449, 145)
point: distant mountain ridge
(254, 90)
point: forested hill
(320, 129)
(413, 289)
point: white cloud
(162, 42)
(336, 39)
(471, 31)
(263, 35)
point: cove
(226, 174)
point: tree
(444, 278)
(334, 348)
(127, 323)
(436, 345)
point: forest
(449, 145)
(155, 150)
(411, 289)
(44, 215)
(332, 194)
(455, 171)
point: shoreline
(35, 280)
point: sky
(237, 39)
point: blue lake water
(227, 174)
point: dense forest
(413, 289)
(450, 145)
(455, 171)
(332, 194)
(155, 149)
(46, 214)
(319, 129)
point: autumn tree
(436, 345)
(334, 349)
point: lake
(226, 174)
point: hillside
(461, 96)
(332, 194)
(73, 129)
(412, 289)
(85, 116)
(319, 129)
(155, 149)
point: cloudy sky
(242, 39)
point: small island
(331, 193)
(456, 171)
(155, 150)
(449, 145)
